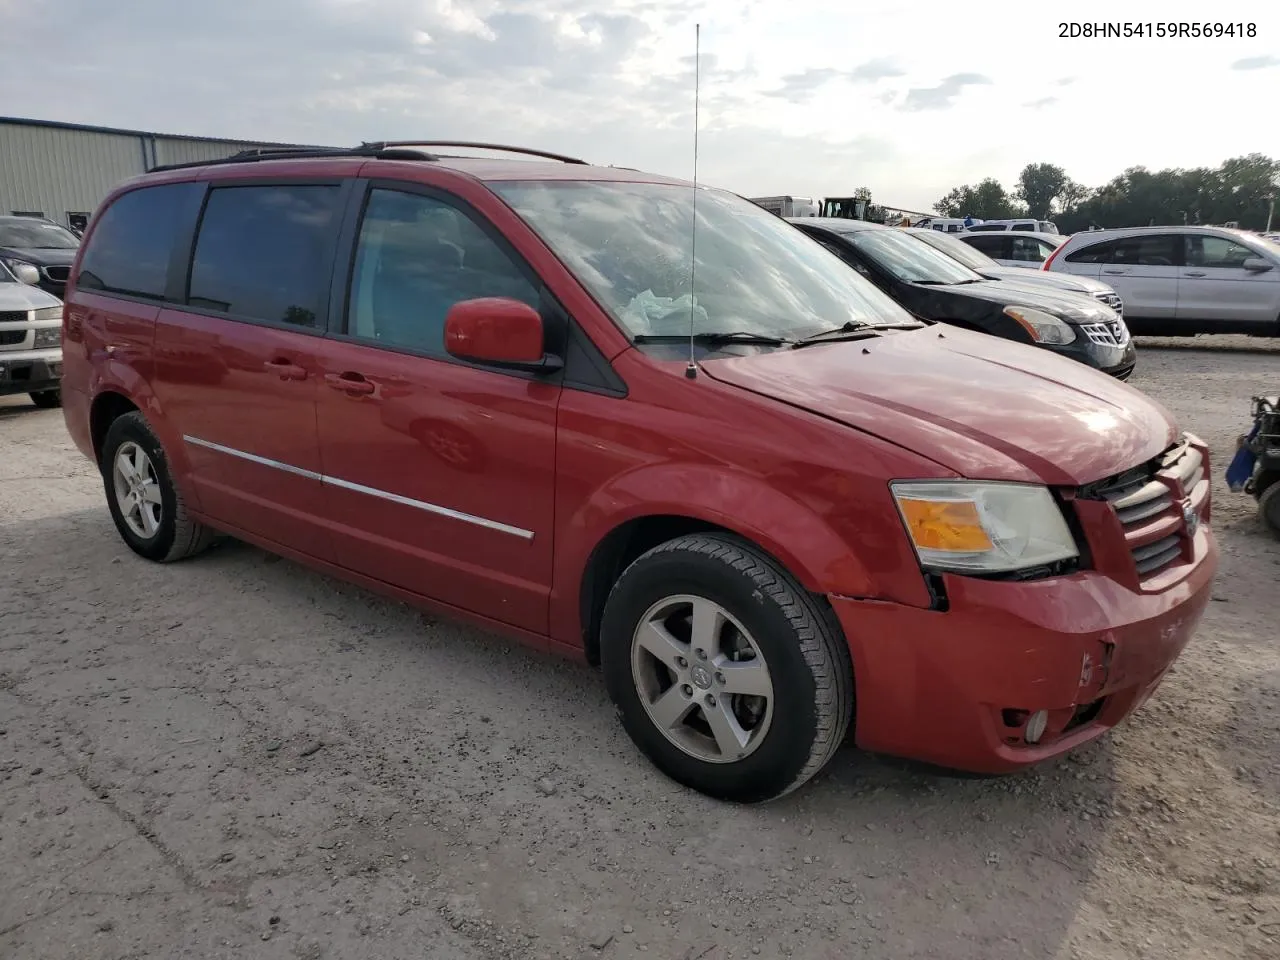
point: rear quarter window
(131, 246)
(1092, 253)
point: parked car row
(697, 449)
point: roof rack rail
(256, 154)
(396, 144)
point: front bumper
(1118, 361)
(30, 371)
(954, 688)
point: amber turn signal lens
(948, 525)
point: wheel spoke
(151, 492)
(657, 640)
(141, 465)
(125, 466)
(706, 627)
(670, 709)
(147, 518)
(746, 677)
(730, 737)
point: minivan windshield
(971, 257)
(631, 244)
(5, 275)
(907, 259)
(36, 235)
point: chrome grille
(1112, 300)
(1109, 333)
(1154, 503)
(14, 316)
(13, 338)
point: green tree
(1039, 185)
(987, 201)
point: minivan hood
(20, 296)
(986, 408)
(1044, 278)
(1068, 304)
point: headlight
(1042, 327)
(48, 337)
(49, 313)
(970, 526)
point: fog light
(1035, 726)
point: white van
(1022, 223)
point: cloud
(882, 68)
(1041, 103)
(944, 94)
(1256, 63)
(1065, 82)
(801, 87)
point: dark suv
(35, 244)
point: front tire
(726, 673)
(47, 399)
(145, 504)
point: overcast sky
(806, 97)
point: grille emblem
(1191, 518)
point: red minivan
(777, 510)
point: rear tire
(145, 504)
(47, 399)
(1269, 507)
(750, 690)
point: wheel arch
(630, 539)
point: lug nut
(720, 678)
(702, 654)
(711, 701)
(686, 690)
(681, 662)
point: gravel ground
(235, 757)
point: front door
(1213, 284)
(237, 366)
(439, 474)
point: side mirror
(500, 331)
(1258, 265)
(25, 273)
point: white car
(30, 341)
(1012, 249)
(1182, 280)
(1025, 224)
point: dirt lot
(234, 757)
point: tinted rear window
(265, 252)
(129, 249)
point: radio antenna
(691, 371)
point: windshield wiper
(853, 330)
(712, 338)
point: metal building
(64, 170)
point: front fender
(795, 535)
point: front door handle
(1194, 273)
(1113, 272)
(349, 382)
(285, 369)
